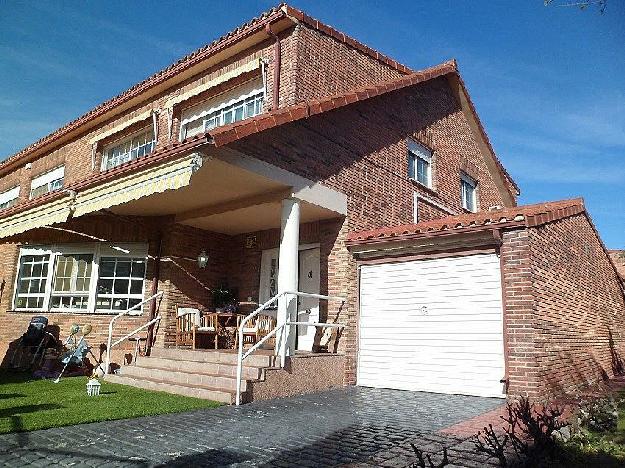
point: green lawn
(27, 404)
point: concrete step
(197, 367)
(196, 391)
(261, 358)
(182, 378)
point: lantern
(202, 259)
(93, 387)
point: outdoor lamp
(202, 259)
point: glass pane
(23, 288)
(37, 269)
(121, 286)
(120, 304)
(103, 303)
(107, 268)
(105, 286)
(238, 114)
(34, 286)
(138, 269)
(123, 268)
(134, 302)
(136, 287)
(26, 269)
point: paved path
(353, 426)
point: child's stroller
(36, 340)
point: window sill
(423, 187)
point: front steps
(207, 374)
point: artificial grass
(28, 404)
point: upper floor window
(129, 149)
(468, 192)
(48, 182)
(240, 103)
(419, 163)
(9, 197)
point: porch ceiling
(226, 198)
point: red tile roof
(527, 215)
(253, 26)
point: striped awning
(171, 175)
(57, 211)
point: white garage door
(432, 325)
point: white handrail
(241, 356)
(109, 343)
(134, 332)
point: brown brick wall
(520, 314)
(355, 151)
(580, 306)
(325, 66)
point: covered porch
(212, 228)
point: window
(80, 278)
(30, 291)
(468, 192)
(419, 163)
(48, 182)
(72, 277)
(136, 146)
(235, 105)
(120, 285)
(9, 198)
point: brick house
(288, 143)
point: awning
(57, 211)
(170, 175)
(220, 77)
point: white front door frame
(269, 271)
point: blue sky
(548, 82)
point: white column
(287, 275)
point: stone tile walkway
(353, 426)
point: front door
(307, 307)
(308, 281)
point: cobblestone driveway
(350, 426)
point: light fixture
(202, 259)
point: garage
(433, 325)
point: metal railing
(241, 356)
(110, 343)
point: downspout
(155, 279)
(276, 66)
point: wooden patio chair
(191, 325)
(257, 328)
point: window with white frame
(72, 278)
(30, 290)
(468, 192)
(120, 283)
(237, 104)
(9, 197)
(419, 163)
(47, 182)
(80, 278)
(133, 147)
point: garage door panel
(454, 344)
